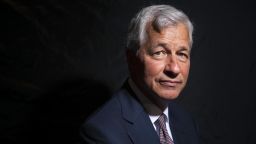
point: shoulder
(180, 115)
(99, 126)
(178, 111)
(183, 123)
(109, 111)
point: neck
(162, 104)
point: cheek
(153, 68)
(185, 70)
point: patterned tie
(163, 134)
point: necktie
(163, 134)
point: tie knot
(161, 120)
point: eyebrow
(184, 49)
(164, 45)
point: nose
(172, 68)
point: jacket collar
(138, 124)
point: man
(143, 112)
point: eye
(159, 54)
(183, 56)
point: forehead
(177, 33)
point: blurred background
(61, 60)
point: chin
(168, 95)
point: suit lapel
(138, 124)
(142, 131)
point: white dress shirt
(153, 111)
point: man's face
(162, 64)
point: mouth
(170, 83)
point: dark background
(60, 60)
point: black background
(60, 60)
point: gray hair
(160, 16)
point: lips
(170, 83)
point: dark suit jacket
(122, 120)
